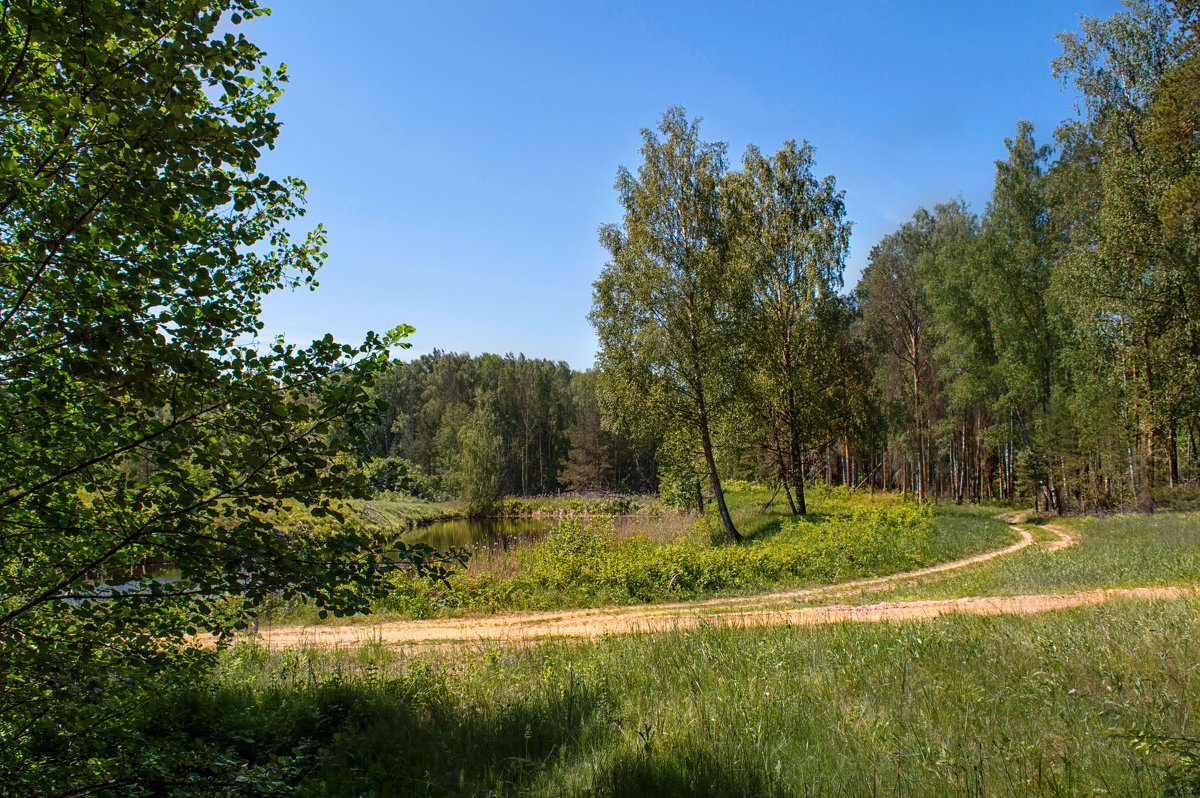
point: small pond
(499, 532)
(464, 533)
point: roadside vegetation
(589, 561)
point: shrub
(572, 554)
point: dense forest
(489, 426)
(1042, 350)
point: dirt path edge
(757, 610)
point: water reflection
(465, 533)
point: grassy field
(399, 511)
(1115, 551)
(1056, 704)
(1091, 701)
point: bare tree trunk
(1144, 425)
(920, 475)
(1173, 456)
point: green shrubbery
(566, 506)
(870, 539)
(583, 562)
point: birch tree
(664, 307)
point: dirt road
(760, 610)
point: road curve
(758, 610)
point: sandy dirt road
(759, 610)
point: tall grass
(395, 512)
(1049, 705)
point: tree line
(1043, 350)
(1047, 349)
(478, 428)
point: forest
(1044, 349)
(208, 584)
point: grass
(570, 506)
(594, 562)
(1091, 701)
(400, 511)
(1114, 551)
(1048, 705)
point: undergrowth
(583, 563)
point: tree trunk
(713, 478)
(1144, 425)
(919, 477)
(1145, 490)
(787, 490)
(1173, 457)
(797, 475)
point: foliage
(870, 540)
(141, 421)
(791, 234)
(665, 306)
(1047, 351)
(475, 450)
(547, 416)
(1135, 312)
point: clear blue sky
(462, 155)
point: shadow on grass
(394, 737)
(685, 771)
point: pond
(504, 533)
(464, 533)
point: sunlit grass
(1130, 550)
(1040, 705)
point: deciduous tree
(665, 305)
(791, 236)
(139, 420)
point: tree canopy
(664, 306)
(141, 421)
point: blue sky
(462, 155)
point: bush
(868, 540)
(573, 554)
